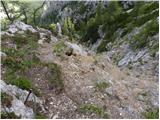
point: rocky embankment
(69, 80)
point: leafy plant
(52, 27)
(68, 28)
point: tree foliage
(26, 11)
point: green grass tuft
(93, 109)
(21, 82)
(152, 114)
(100, 86)
(39, 116)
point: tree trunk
(35, 11)
(25, 15)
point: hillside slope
(69, 80)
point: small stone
(51, 103)
(141, 98)
(40, 41)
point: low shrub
(52, 27)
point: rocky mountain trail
(81, 74)
(74, 82)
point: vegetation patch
(36, 108)
(6, 99)
(21, 82)
(101, 86)
(28, 38)
(56, 80)
(52, 27)
(93, 109)
(140, 40)
(40, 116)
(12, 77)
(9, 115)
(151, 114)
(153, 49)
(114, 17)
(5, 37)
(22, 59)
(68, 28)
(59, 48)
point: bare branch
(5, 9)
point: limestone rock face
(20, 26)
(59, 30)
(18, 106)
(77, 50)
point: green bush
(91, 32)
(68, 28)
(17, 63)
(17, 59)
(52, 27)
(148, 8)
